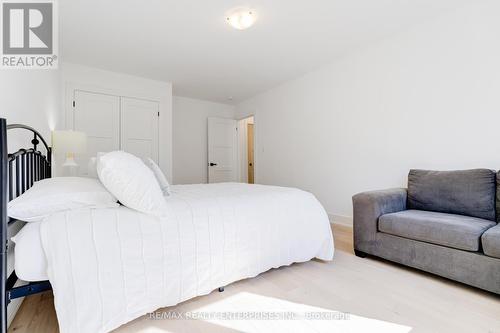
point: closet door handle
(212, 164)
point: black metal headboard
(27, 166)
(18, 172)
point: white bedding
(30, 262)
(109, 266)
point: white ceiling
(189, 43)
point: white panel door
(139, 135)
(222, 150)
(98, 115)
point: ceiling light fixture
(241, 18)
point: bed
(111, 265)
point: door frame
(255, 148)
(250, 163)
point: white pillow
(160, 177)
(132, 182)
(57, 194)
(92, 165)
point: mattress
(30, 262)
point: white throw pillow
(57, 194)
(131, 181)
(160, 177)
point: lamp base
(70, 162)
(70, 167)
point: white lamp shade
(69, 142)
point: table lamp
(69, 143)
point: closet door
(98, 115)
(139, 127)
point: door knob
(212, 164)
(249, 164)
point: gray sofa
(445, 223)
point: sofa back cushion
(464, 192)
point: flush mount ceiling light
(241, 18)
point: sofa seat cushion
(457, 231)
(491, 242)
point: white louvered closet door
(115, 123)
(98, 115)
(139, 127)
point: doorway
(250, 153)
(246, 143)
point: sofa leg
(359, 254)
(221, 289)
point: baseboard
(340, 219)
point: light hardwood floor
(379, 297)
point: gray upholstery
(473, 268)
(368, 207)
(457, 231)
(498, 196)
(465, 192)
(491, 242)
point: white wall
(93, 79)
(29, 97)
(190, 137)
(427, 98)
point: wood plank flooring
(377, 296)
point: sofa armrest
(367, 208)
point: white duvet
(109, 266)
